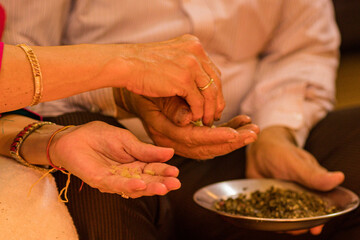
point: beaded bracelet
(20, 138)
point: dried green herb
(199, 123)
(276, 203)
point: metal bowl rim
(353, 204)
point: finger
(245, 137)
(202, 80)
(202, 152)
(161, 169)
(153, 188)
(174, 108)
(298, 232)
(212, 72)
(316, 230)
(147, 185)
(133, 185)
(324, 180)
(206, 135)
(156, 188)
(171, 183)
(237, 121)
(189, 88)
(315, 175)
(116, 184)
(215, 74)
(209, 93)
(191, 135)
(249, 126)
(146, 152)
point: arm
(65, 71)
(296, 77)
(294, 90)
(171, 68)
(100, 154)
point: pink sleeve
(2, 25)
(1, 53)
(2, 20)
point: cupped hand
(170, 127)
(275, 155)
(177, 67)
(113, 160)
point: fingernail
(210, 123)
(249, 140)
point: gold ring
(122, 194)
(207, 85)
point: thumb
(323, 180)
(174, 108)
(147, 152)
(315, 176)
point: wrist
(33, 149)
(117, 67)
(278, 132)
(53, 148)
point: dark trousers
(335, 142)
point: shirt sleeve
(40, 22)
(295, 82)
(96, 101)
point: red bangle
(48, 146)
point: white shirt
(278, 58)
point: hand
(188, 140)
(275, 155)
(114, 161)
(177, 67)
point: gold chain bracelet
(35, 66)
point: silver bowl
(342, 198)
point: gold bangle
(35, 66)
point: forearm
(33, 149)
(66, 70)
